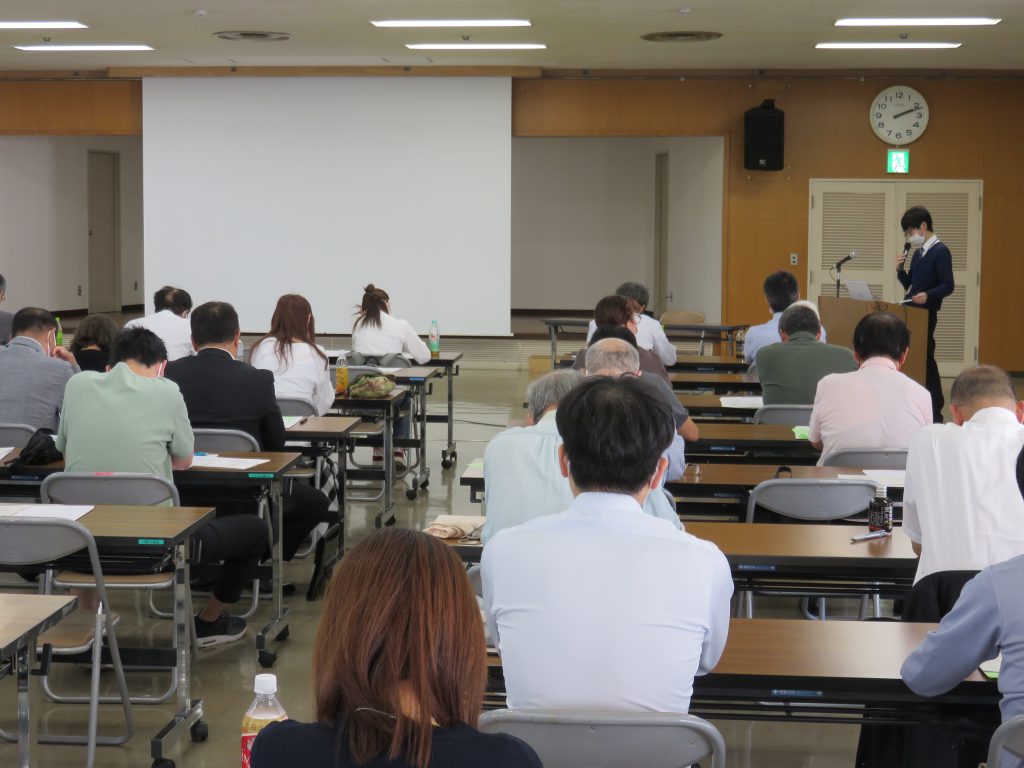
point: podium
(841, 315)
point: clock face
(899, 115)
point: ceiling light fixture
(459, 23)
(885, 46)
(83, 47)
(970, 21)
(42, 25)
(476, 46)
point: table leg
(553, 330)
(24, 720)
(277, 627)
(389, 462)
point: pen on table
(304, 419)
(870, 536)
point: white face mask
(916, 240)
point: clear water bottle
(880, 511)
(434, 343)
(265, 709)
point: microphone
(848, 257)
(907, 255)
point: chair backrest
(15, 435)
(476, 579)
(869, 458)
(812, 500)
(36, 540)
(359, 360)
(1008, 736)
(682, 317)
(566, 739)
(216, 440)
(296, 406)
(790, 415)
(108, 488)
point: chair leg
(94, 689)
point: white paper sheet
(890, 478)
(60, 511)
(742, 401)
(221, 462)
(291, 421)
(4, 452)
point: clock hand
(901, 114)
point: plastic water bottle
(59, 336)
(434, 343)
(880, 511)
(265, 709)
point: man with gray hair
(649, 333)
(962, 508)
(5, 317)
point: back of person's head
(881, 335)
(611, 357)
(548, 391)
(94, 331)
(375, 301)
(400, 625)
(175, 299)
(799, 318)
(32, 321)
(636, 291)
(140, 345)
(983, 383)
(809, 304)
(614, 310)
(915, 217)
(781, 290)
(613, 332)
(292, 321)
(215, 322)
(614, 432)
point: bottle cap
(265, 684)
(881, 491)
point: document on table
(58, 511)
(890, 478)
(990, 669)
(742, 401)
(291, 421)
(802, 433)
(220, 462)
(4, 452)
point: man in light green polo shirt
(790, 371)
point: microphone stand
(839, 275)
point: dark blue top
(314, 745)
(932, 273)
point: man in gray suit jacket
(5, 317)
(33, 371)
(790, 371)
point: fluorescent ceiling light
(885, 46)
(460, 23)
(975, 21)
(476, 46)
(83, 47)
(42, 25)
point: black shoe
(225, 629)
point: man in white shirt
(602, 607)
(522, 480)
(876, 406)
(169, 321)
(649, 333)
(781, 291)
(961, 505)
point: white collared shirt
(762, 335)
(174, 330)
(875, 406)
(304, 375)
(522, 479)
(394, 337)
(961, 502)
(649, 335)
(602, 607)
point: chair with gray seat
(1009, 737)
(34, 541)
(15, 435)
(789, 415)
(869, 458)
(296, 406)
(568, 739)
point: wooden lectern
(840, 317)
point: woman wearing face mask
(927, 277)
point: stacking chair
(296, 406)
(111, 488)
(26, 541)
(567, 739)
(686, 317)
(15, 435)
(790, 415)
(1008, 737)
(869, 458)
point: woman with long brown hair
(300, 366)
(398, 668)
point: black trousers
(304, 509)
(932, 380)
(236, 541)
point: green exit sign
(899, 161)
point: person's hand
(62, 354)
(900, 260)
(920, 298)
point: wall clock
(899, 115)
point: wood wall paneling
(71, 108)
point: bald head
(983, 386)
(612, 357)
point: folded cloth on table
(455, 526)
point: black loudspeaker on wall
(764, 138)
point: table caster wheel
(410, 494)
(267, 659)
(163, 762)
(200, 731)
(425, 483)
(446, 463)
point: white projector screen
(255, 187)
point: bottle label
(247, 740)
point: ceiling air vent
(681, 37)
(254, 37)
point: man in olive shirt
(790, 371)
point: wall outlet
(794, 259)
(79, 290)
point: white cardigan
(393, 337)
(303, 375)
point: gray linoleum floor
(223, 676)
